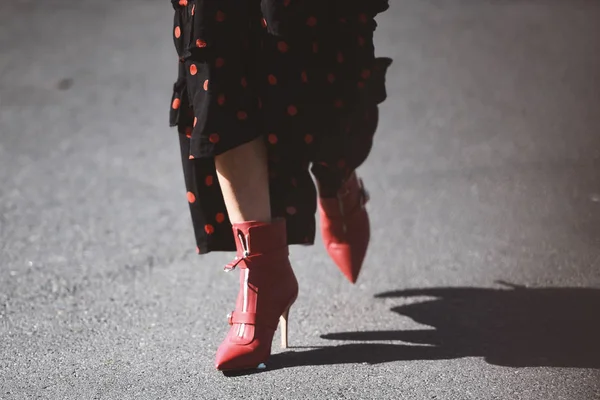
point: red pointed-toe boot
(345, 227)
(268, 288)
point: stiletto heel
(283, 324)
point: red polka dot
(308, 138)
(209, 229)
(315, 47)
(242, 115)
(197, 250)
(200, 43)
(191, 197)
(220, 217)
(340, 57)
(291, 210)
(219, 62)
(312, 21)
(206, 84)
(209, 180)
(360, 85)
(292, 110)
(214, 138)
(366, 73)
(193, 69)
(272, 138)
(331, 78)
(183, 3)
(304, 77)
(221, 99)
(264, 23)
(338, 103)
(176, 104)
(177, 32)
(363, 18)
(272, 79)
(361, 41)
(244, 82)
(286, 2)
(188, 132)
(220, 16)
(191, 157)
(283, 47)
(195, 121)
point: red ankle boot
(345, 227)
(268, 288)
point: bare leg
(268, 286)
(244, 178)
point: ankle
(346, 200)
(333, 187)
(327, 191)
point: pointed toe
(225, 358)
(349, 258)
(230, 358)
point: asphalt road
(483, 278)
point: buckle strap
(362, 200)
(284, 251)
(232, 265)
(237, 317)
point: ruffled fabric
(301, 75)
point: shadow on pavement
(520, 327)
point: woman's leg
(244, 179)
(344, 220)
(262, 257)
(222, 92)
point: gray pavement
(483, 278)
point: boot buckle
(233, 265)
